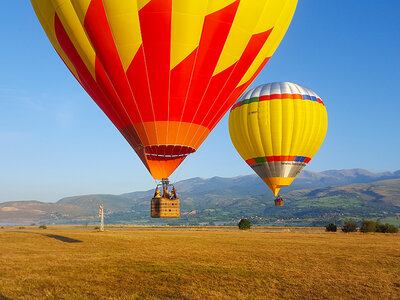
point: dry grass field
(161, 263)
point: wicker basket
(165, 208)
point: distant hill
(28, 212)
(386, 192)
(92, 202)
(310, 179)
(313, 197)
(253, 185)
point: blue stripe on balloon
(308, 97)
(300, 158)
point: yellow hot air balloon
(277, 128)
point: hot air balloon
(165, 71)
(277, 128)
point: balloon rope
(178, 173)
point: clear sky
(55, 142)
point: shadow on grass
(62, 239)
(53, 236)
(4, 297)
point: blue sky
(55, 142)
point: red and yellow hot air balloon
(277, 128)
(165, 71)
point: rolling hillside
(313, 199)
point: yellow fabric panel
(46, 14)
(310, 141)
(81, 7)
(73, 27)
(287, 125)
(298, 127)
(215, 5)
(275, 183)
(246, 19)
(325, 128)
(270, 13)
(250, 151)
(140, 3)
(124, 23)
(235, 133)
(264, 116)
(254, 129)
(187, 24)
(272, 187)
(308, 127)
(276, 126)
(322, 127)
(314, 131)
(238, 131)
(280, 27)
(315, 134)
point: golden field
(78, 262)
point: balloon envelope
(277, 128)
(164, 71)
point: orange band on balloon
(165, 133)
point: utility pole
(101, 216)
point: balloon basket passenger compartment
(165, 208)
(278, 201)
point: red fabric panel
(236, 105)
(280, 96)
(137, 76)
(239, 91)
(250, 161)
(181, 77)
(171, 150)
(229, 93)
(216, 100)
(287, 158)
(264, 98)
(99, 94)
(215, 31)
(99, 32)
(297, 96)
(155, 24)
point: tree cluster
(244, 224)
(367, 226)
(331, 227)
(373, 226)
(349, 226)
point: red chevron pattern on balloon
(165, 71)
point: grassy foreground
(154, 263)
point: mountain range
(314, 198)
